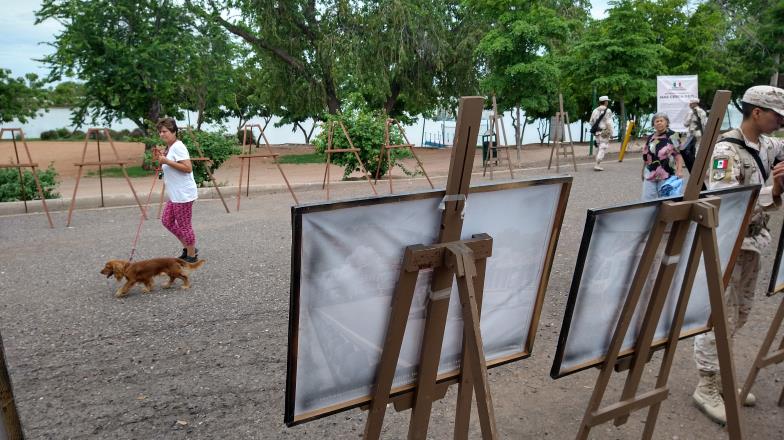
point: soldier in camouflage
(602, 128)
(746, 155)
(695, 121)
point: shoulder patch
(721, 162)
(721, 168)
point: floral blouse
(660, 154)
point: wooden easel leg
(73, 199)
(21, 174)
(465, 271)
(422, 167)
(217, 188)
(160, 201)
(239, 184)
(401, 305)
(389, 169)
(759, 362)
(672, 339)
(466, 386)
(133, 191)
(720, 328)
(43, 199)
(365, 173)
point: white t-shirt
(180, 186)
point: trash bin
(486, 138)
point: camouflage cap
(768, 97)
(694, 101)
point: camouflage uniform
(603, 137)
(732, 165)
(690, 122)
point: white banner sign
(672, 97)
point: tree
(20, 98)
(66, 94)
(621, 57)
(129, 53)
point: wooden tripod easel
(200, 158)
(329, 151)
(100, 163)
(387, 150)
(558, 147)
(29, 164)
(495, 126)
(452, 257)
(765, 357)
(248, 155)
(704, 214)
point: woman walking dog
(180, 187)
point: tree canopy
(20, 98)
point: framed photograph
(346, 260)
(612, 244)
(777, 274)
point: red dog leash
(144, 214)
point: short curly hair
(169, 123)
(661, 115)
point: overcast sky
(22, 41)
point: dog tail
(192, 266)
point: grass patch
(302, 158)
(133, 171)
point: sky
(22, 41)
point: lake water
(422, 132)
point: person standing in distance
(602, 129)
(180, 187)
(695, 121)
(743, 156)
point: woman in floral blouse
(662, 173)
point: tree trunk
(582, 130)
(622, 121)
(518, 134)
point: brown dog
(145, 270)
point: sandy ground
(210, 362)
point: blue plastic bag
(672, 186)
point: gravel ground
(210, 362)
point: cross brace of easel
(200, 158)
(497, 130)
(704, 214)
(559, 148)
(100, 163)
(29, 164)
(464, 260)
(248, 155)
(329, 151)
(386, 150)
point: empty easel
(100, 163)
(451, 258)
(680, 215)
(765, 357)
(29, 164)
(559, 148)
(496, 130)
(200, 158)
(330, 150)
(386, 151)
(246, 156)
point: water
(423, 131)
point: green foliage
(20, 98)
(302, 158)
(66, 94)
(11, 191)
(130, 55)
(366, 129)
(133, 171)
(64, 134)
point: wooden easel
(201, 158)
(100, 163)
(704, 214)
(495, 126)
(29, 164)
(559, 148)
(387, 150)
(248, 155)
(329, 151)
(765, 357)
(452, 257)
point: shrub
(48, 135)
(11, 191)
(63, 133)
(366, 129)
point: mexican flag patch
(720, 164)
